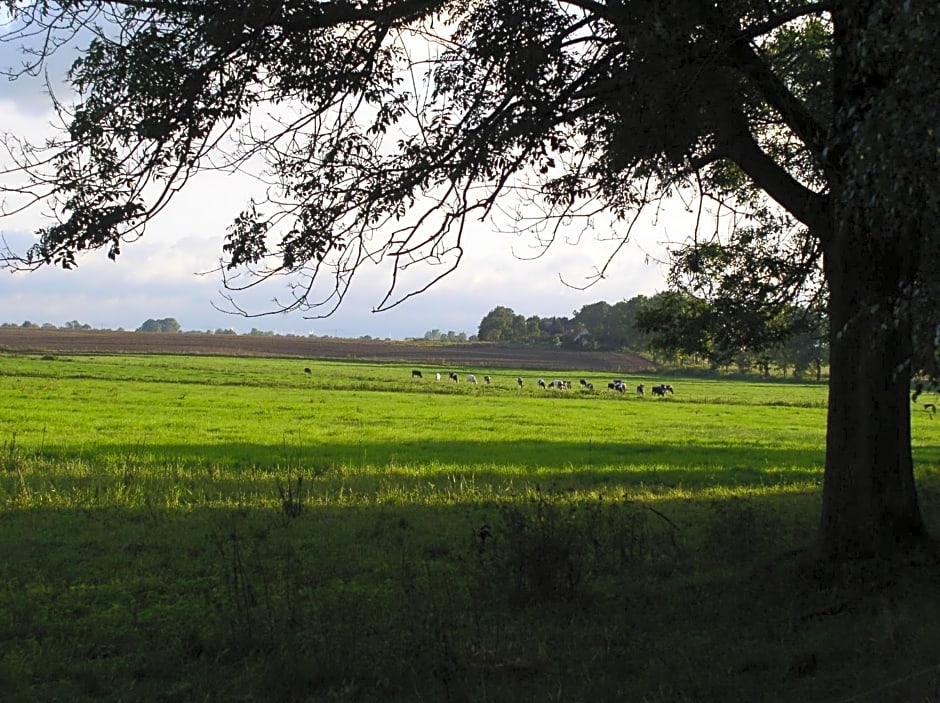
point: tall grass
(183, 528)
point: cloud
(158, 276)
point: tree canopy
(166, 324)
(383, 128)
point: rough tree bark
(870, 503)
(871, 243)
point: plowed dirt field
(468, 354)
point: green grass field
(233, 529)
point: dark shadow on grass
(408, 601)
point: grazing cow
(520, 381)
(589, 386)
(617, 385)
(308, 371)
(438, 375)
(641, 389)
(471, 378)
(541, 383)
(662, 389)
(487, 380)
(416, 373)
(454, 377)
(583, 382)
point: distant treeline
(165, 324)
(171, 325)
(599, 326)
(677, 328)
(27, 325)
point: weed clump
(737, 530)
(557, 548)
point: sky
(168, 273)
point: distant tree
(806, 349)
(593, 322)
(533, 329)
(677, 325)
(29, 325)
(726, 331)
(166, 324)
(555, 329)
(624, 332)
(498, 325)
(434, 335)
(76, 325)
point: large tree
(386, 125)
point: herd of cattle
(616, 385)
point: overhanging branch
(805, 204)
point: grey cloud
(124, 293)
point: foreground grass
(234, 529)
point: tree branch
(806, 205)
(761, 28)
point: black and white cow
(416, 373)
(454, 377)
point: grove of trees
(166, 324)
(676, 328)
(435, 335)
(384, 128)
(70, 325)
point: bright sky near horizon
(165, 274)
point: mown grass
(183, 528)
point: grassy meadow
(182, 528)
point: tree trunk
(869, 499)
(871, 241)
